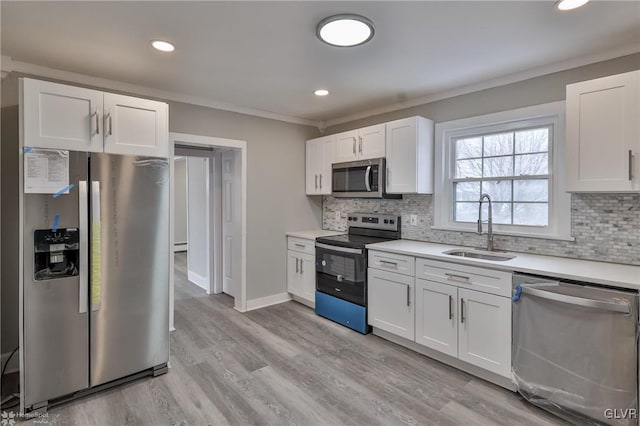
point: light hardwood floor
(285, 365)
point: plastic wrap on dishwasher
(576, 362)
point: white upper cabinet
(361, 144)
(59, 116)
(603, 134)
(320, 154)
(409, 153)
(135, 126)
(371, 142)
(68, 117)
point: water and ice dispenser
(57, 253)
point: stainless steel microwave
(360, 179)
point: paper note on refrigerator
(46, 171)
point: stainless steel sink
(478, 254)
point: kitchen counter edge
(610, 274)
(312, 234)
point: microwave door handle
(367, 179)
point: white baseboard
(14, 364)
(198, 280)
(263, 302)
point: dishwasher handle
(619, 306)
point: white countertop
(312, 234)
(616, 275)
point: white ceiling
(265, 55)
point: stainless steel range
(341, 268)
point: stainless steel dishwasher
(575, 349)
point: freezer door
(55, 320)
(129, 257)
(575, 351)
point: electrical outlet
(413, 219)
(337, 215)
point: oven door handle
(367, 178)
(338, 248)
(620, 306)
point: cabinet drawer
(301, 245)
(392, 262)
(481, 279)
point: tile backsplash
(606, 227)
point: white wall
(198, 217)
(180, 200)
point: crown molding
(6, 65)
(490, 83)
(42, 71)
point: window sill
(508, 233)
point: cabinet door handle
(107, 119)
(297, 267)
(354, 146)
(388, 177)
(630, 165)
(300, 245)
(316, 181)
(408, 295)
(450, 307)
(360, 144)
(301, 264)
(458, 278)
(320, 180)
(95, 114)
(461, 311)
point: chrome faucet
(489, 221)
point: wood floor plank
(284, 365)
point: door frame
(211, 142)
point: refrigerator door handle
(96, 247)
(83, 215)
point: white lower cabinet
(301, 269)
(390, 302)
(449, 317)
(437, 316)
(484, 331)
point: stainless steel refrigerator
(95, 278)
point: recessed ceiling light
(163, 46)
(345, 30)
(570, 4)
(321, 92)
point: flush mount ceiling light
(570, 4)
(163, 46)
(321, 92)
(345, 30)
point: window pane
(501, 213)
(497, 190)
(469, 148)
(466, 212)
(532, 140)
(531, 190)
(532, 214)
(468, 168)
(498, 166)
(500, 144)
(532, 164)
(467, 191)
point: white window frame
(551, 114)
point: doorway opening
(208, 215)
